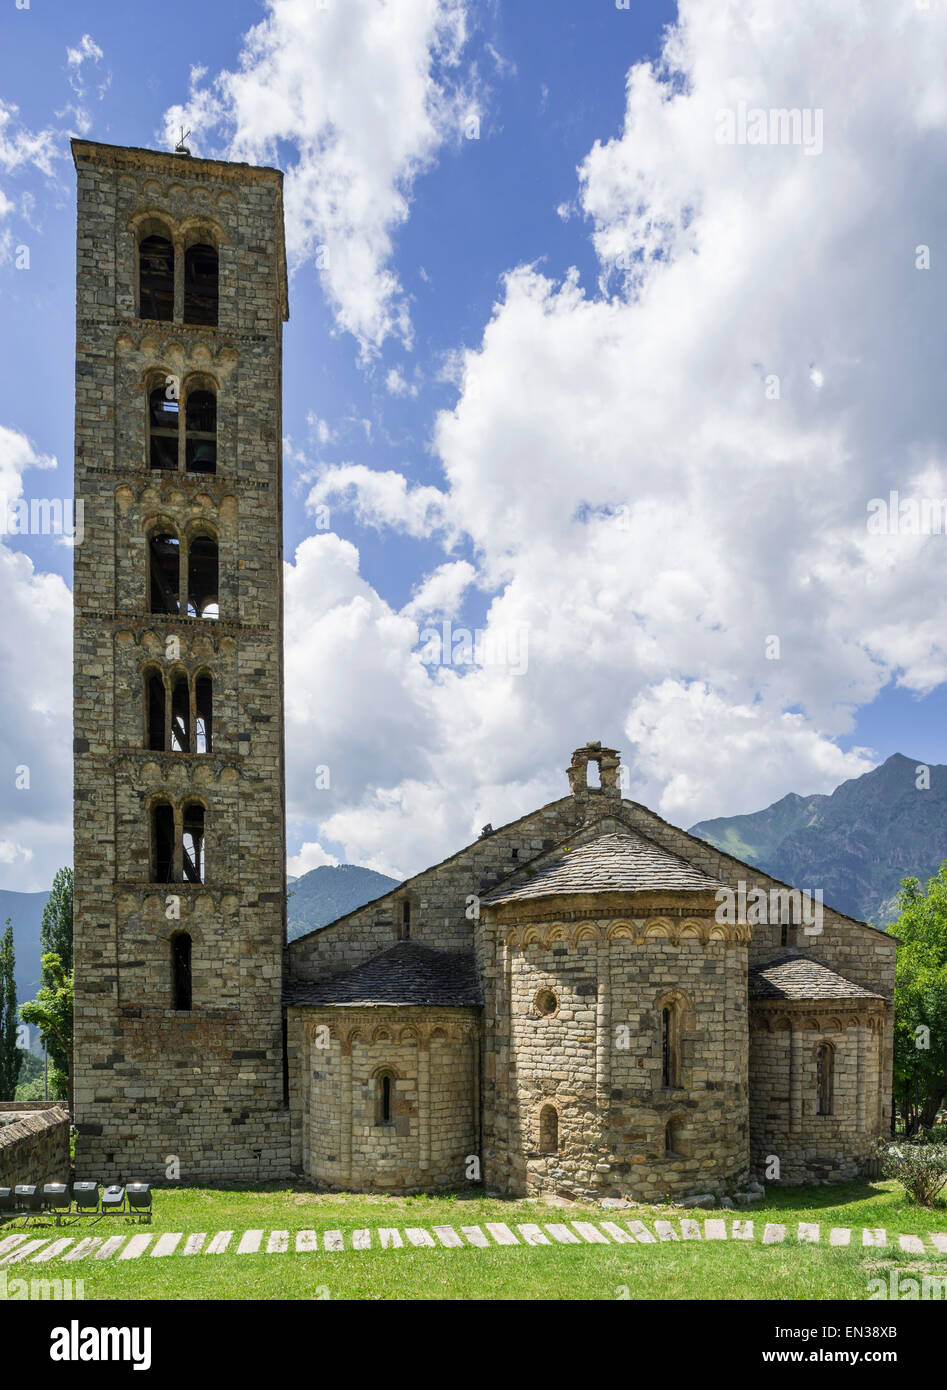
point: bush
(920, 1168)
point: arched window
(825, 1074)
(162, 428)
(193, 842)
(671, 1045)
(204, 714)
(181, 971)
(548, 1130)
(385, 1098)
(162, 843)
(156, 278)
(180, 715)
(202, 578)
(406, 920)
(200, 284)
(164, 553)
(200, 422)
(154, 710)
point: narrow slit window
(163, 430)
(204, 714)
(193, 843)
(825, 1067)
(162, 843)
(671, 1046)
(180, 716)
(201, 432)
(385, 1098)
(405, 921)
(200, 284)
(181, 992)
(165, 565)
(202, 578)
(155, 699)
(156, 279)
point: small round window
(545, 1003)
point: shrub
(920, 1168)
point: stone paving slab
(136, 1247)
(22, 1251)
(167, 1244)
(21, 1246)
(562, 1233)
(448, 1236)
(58, 1247)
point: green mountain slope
(329, 892)
(855, 844)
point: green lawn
(673, 1270)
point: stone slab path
(27, 1247)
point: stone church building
(587, 1001)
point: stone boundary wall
(34, 1149)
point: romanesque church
(579, 1002)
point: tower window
(155, 699)
(165, 573)
(180, 716)
(156, 279)
(193, 842)
(181, 971)
(406, 921)
(202, 578)
(200, 284)
(204, 714)
(548, 1130)
(825, 1072)
(201, 432)
(162, 429)
(162, 843)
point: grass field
(675, 1270)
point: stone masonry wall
(597, 1058)
(35, 1148)
(204, 1086)
(784, 1119)
(432, 1056)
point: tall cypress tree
(10, 1056)
(55, 933)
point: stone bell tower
(178, 678)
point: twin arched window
(195, 448)
(177, 843)
(166, 569)
(179, 712)
(161, 266)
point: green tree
(10, 1055)
(51, 1012)
(920, 1000)
(55, 936)
(55, 933)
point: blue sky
(531, 390)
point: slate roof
(610, 864)
(801, 977)
(407, 973)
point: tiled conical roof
(615, 863)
